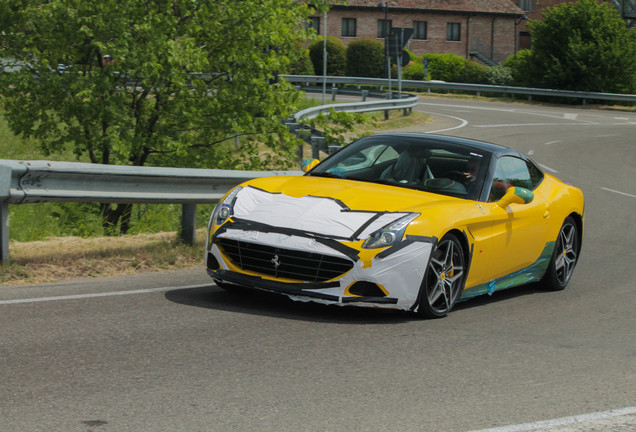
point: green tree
(583, 46)
(152, 82)
(301, 63)
(365, 58)
(520, 68)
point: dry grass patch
(58, 259)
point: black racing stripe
(409, 240)
(366, 224)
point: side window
(511, 171)
(536, 176)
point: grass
(63, 258)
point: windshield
(420, 163)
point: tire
(564, 257)
(444, 278)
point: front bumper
(397, 271)
(310, 291)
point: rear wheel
(444, 278)
(564, 257)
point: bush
(336, 56)
(499, 75)
(473, 73)
(365, 58)
(414, 71)
(414, 57)
(445, 67)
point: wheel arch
(463, 240)
(578, 220)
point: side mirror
(515, 195)
(308, 164)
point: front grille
(283, 263)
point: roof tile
(476, 6)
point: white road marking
(470, 108)
(553, 142)
(530, 153)
(545, 167)
(534, 124)
(549, 424)
(94, 295)
(619, 192)
(462, 122)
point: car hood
(334, 207)
(356, 195)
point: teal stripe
(532, 273)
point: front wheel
(564, 257)
(444, 278)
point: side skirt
(532, 273)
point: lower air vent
(284, 263)
(366, 289)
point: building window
(349, 27)
(314, 23)
(527, 5)
(384, 28)
(419, 29)
(453, 31)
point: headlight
(225, 208)
(389, 234)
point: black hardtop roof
(483, 146)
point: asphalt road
(173, 352)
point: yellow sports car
(406, 221)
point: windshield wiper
(326, 174)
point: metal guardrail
(476, 88)
(382, 105)
(23, 182)
(316, 139)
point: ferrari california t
(407, 221)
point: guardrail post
(316, 143)
(188, 223)
(334, 92)
(365, 93)
(4, 232)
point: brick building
(484, 30)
